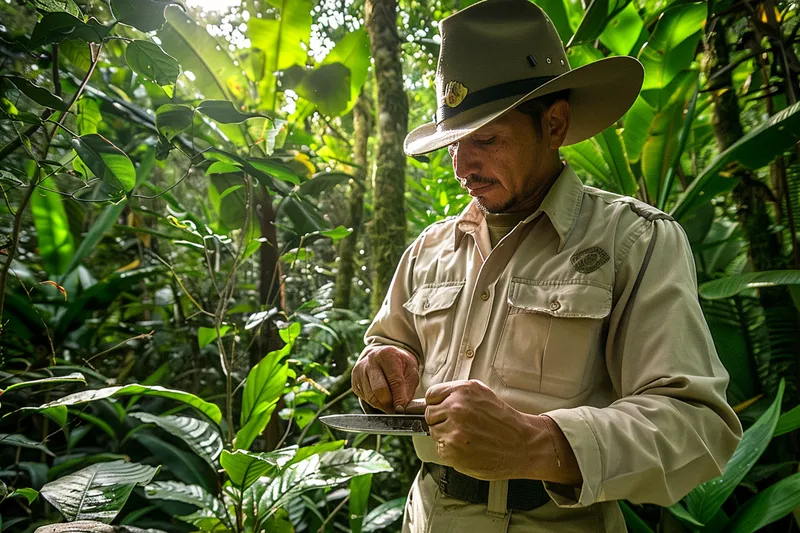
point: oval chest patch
(589, 260)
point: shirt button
(470, 352)
(555, 305)
(485, 295)
(426, 304)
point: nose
(465, 160)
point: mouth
(479, 189)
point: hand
(482, 436)
(386, 377)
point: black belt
(523, 494)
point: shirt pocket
(552, 334)
(433, 306)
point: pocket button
(555, 305)
(485, 295)
(426, 304)
(470, 352)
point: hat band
(490, 94)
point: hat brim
(600, 94)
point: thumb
(396, 378)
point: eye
(487, 141)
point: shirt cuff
(584, 445)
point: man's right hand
(386, 377)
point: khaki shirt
(587, 311)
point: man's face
(504, 163)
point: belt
(523, 494)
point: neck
(533, 200)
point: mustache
(474, 180)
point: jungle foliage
(181, 187)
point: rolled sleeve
(671, 428)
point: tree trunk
(752, 197)
(362, 126)
(387, 233)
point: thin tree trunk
(752, 197)
(388, 222)
(362, 126)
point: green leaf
(307, 451)
(150, 61)
(77, 463)
(97, 492)
(101, 226)
(244, 467)
(318, 471)
(56, 244)
(613, 150)
(183, 465)
(144, 15)
(208, 409)
(262, 390)
(206, 336)
(57, 6)
(732, 285)
(632, 520)
(216, 75)
(224, 111)
(597, 15)
(773, 503)
(622, 33)
(322, 181)
(69, 378)
(756, 149)
(558, 15)
(352, 51)
(87, 115)
(337, 234)
(788, 422)
(106, 161)
(380, 518)
(22, 441)
(201, 436)
(191, 494)
(672, 45)
(27, 493)
(661, 148)
(40, 95)
(328, 87)
(55, 27)
(172, 119)
(273, 169)
(359, 499)
(704, 501)
(637, 127)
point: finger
(435, 414)
(439, 393)
(378, 394)
(357, 381)
(394, 372)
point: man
(553, 329)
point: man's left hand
(479, 434)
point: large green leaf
(705, 500)
(380, 518)
(328, 87)
(55, 27)
(150, 61)
(216, 75)
(632, 520)
(622, 32)
(318, 471)
(672, 45)
(558, 15)
(262, 390)
(87, 115)
(69, 378)
(21, 441)
(56, 245)
(756, 149)
(322, 181)
(40, 95)
(661, 147)
(144, 15)
(201, 436)
(102, 224)
(244, 467)
(731, 285)
(788, 422)
(180, 464)
(353, 52)
(172, 119)
(773, 503)
(359, 499)
(191, 494)
(208, 409)
(97, 492)
(597, 15)
(106, 161)
(613, 150)
(637, 126)
(57, 6)
(224, 112)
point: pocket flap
(429, 299)
(562, 299)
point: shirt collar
(561, 204)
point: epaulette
(644, 210)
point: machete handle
(416, 407)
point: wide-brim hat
(497, 54)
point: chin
(493, 208)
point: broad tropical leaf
(106, 161)
(150, 61)
(24, 442)
(40, 95)
(55, 27)
(732, 285)
(263, 389)
(705, 501)
(788, 421)
(208, 409)
(773, 503)
(244, 467)
(69, 378)
(383, 515)
(359, 499)
(191, 494)
(597, 15)
(201, 436)
(97, 492)
(144, 15)
(56, 244)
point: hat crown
(496, 42)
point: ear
(557, 120)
